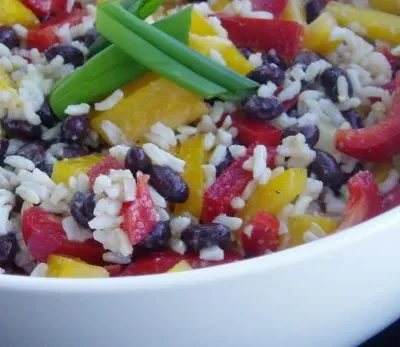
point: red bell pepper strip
(44, 8)
(261, 234)
(44, 235)
(256, 131)
(230, 184)
(378, 143)
(140, 215)
(275, 7)
(161, 262)
(364, 200)
(114, 270)
(261, 35)
(103, 168)
(391, 199)
(45, 35)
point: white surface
(335, 292)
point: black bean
(310, 132)
(9, 37)
(21, 129)
(46, 115)
(33, 151)
(3, 149)
(353, 118)
(269, 58)
(313, 9)
(137, 160)
(221, 167)
(168, 183)
(305, 58)
(75, 128)
(327, 170)
(268, 73)
(71, 54)
(198, 236)
(293, 113)
(262, 108)
(329, 79)
(8, 249)
(74, 151)
(246, 52)
(158, 237)
(89, 38)
(82, 207)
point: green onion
(154, 59)
(181, 53)
(110, 69)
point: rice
(232, 223)
(77, 110)
(213, 253)
(178, 224)
(178, 246)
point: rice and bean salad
(142, 136)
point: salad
(141, 137)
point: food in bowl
(141, 138)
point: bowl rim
(362, 231)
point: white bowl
(335, 292)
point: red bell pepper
(44, 8)
(103, 168)
(276, 7)
(161, 262)
(364, 200)
(378, 143)
(262, 236)
(45, 35)
(114, 270)
(256, 131)
(140, 215)
(391, 199)
(261, 35)
(44, 235)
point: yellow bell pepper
(275, 195)
(193, 153)
(200, 25)
(298, 225)
(149, 100)
(219, 5)
(64, 169)
(318, 33)
(232, 56)
(378, 25)
(183, 265)
(14, 12)
(295, 11)
(388, 6)
(5, 80)
(63, 267)
(381, 171)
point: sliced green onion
(181, 53)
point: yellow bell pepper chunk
(14, 12)
(219, 5)
(232, 56)
(200, 25)
(183, 265)
(298, 225)
(378, 25)
(388, 6)
(64, 169)
(318, 33)
(5, 80)
(381, 171)
(149, 100)
(295, 12)
(193, 153)
(275, 195)
(63, 267)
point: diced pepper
(140, 216)
(44, 8)
(45, 35)
(161, 262)
(114, 270)
(392, 199)
(44, 235)
(103, 168)
(64, 169)
(381, 171)
(378, 25)
(275, 195)
(193, 153)
(295, 12)
(318, 33)
(233, 58)
(377, 143)
(219, 5)
(364, 200)
(183, 265)
(149, 100)
(63, 267)
(388, 6)
(14, 12)
(262, 34)
(200, 26)
(298, 225)
(256, 131)
(276, 7)
(260, 235)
